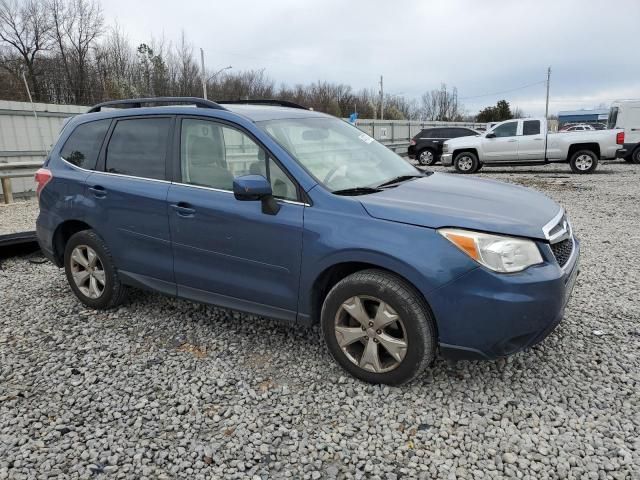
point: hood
(444, 200)
(468, 141)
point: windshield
(336, 153)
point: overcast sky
(481, 47)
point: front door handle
(98, 191)
(183, 209)
(512, 140)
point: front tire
(466, 162)
(91, 272)
(426, 157)
(583, 161)
(378, 328)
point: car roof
(254, 113)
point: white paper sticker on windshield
(365, 138)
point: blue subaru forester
(273, 209)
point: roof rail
(139, 102)
(279, 103)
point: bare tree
(76, 26)
(25, 28)
(441, 105)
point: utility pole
(35, 115)
(381, 99)
(203, 75)
(546, 110)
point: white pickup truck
(526, 142)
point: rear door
(227, 251)
(531, 142)
(504, 146)
(632, 124)
(128, 196)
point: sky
(488, 50)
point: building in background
(574, 117)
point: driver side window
(508, 129)
(213, 154)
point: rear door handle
(538, 139)
(98, 191)
(512, 140)
(183, 209)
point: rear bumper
(626, 150)
(484, 315)
(446, 159)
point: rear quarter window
(83, 145)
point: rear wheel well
(62, 235)
(594, 147)
(332, 275)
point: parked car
(577, 128)
(526, 142)
(426, 146)
(288, 213)
(625, 114)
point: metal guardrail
(15, 170)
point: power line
(504, 91)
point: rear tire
(91, 272)
(635, 156)
(392, 346)
(466, 162)
(583, 161)
(426, 157)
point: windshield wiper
(401, 178)
(357, 191)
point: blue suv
(273, 209)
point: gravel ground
(19, 216)
(163, 388)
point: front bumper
(485, 315)
(446, 159)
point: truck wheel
(635, 156)
(91, 272)
(378, 328)
(466, 162)
(427, 157)
(583, 161)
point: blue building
(582, 116)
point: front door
(227, 251)
(504, 146)
(531, 142)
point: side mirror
(490, 135)
(254, 188)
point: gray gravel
(163, 388)
(19, 216)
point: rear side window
(429, 133)
(613, 117)
(138, 147)
(83, 145)
(531, 127)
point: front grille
(562, 251)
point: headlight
(496, 252)
(445, 147)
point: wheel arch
(462, 150)
(61, 236)
(576, 147)
(331, 273)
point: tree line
(67, 54)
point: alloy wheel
(371, 334)
(426, 157)
(465, 163)
(584, 162)
(87, 271)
